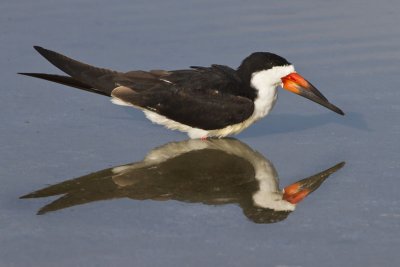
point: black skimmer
(212, 172)
(214, 101)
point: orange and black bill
(295, 83)
(296, 192)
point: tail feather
(65, 80)
(82, 74)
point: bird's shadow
(287, 123)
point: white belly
(261, 109)
(262, 106)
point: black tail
(66, 80)
(83, 76)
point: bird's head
(267, 70)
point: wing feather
(208, 98)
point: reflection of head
(263, 215)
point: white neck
(265, 83)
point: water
(51, 134)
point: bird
(215, 101)
(212, 172)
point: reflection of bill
(213, 172)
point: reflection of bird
(202, 101)
(213, 172)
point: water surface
(51, 133)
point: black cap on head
(260, 61)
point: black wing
(207, 98)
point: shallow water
(51, 134)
